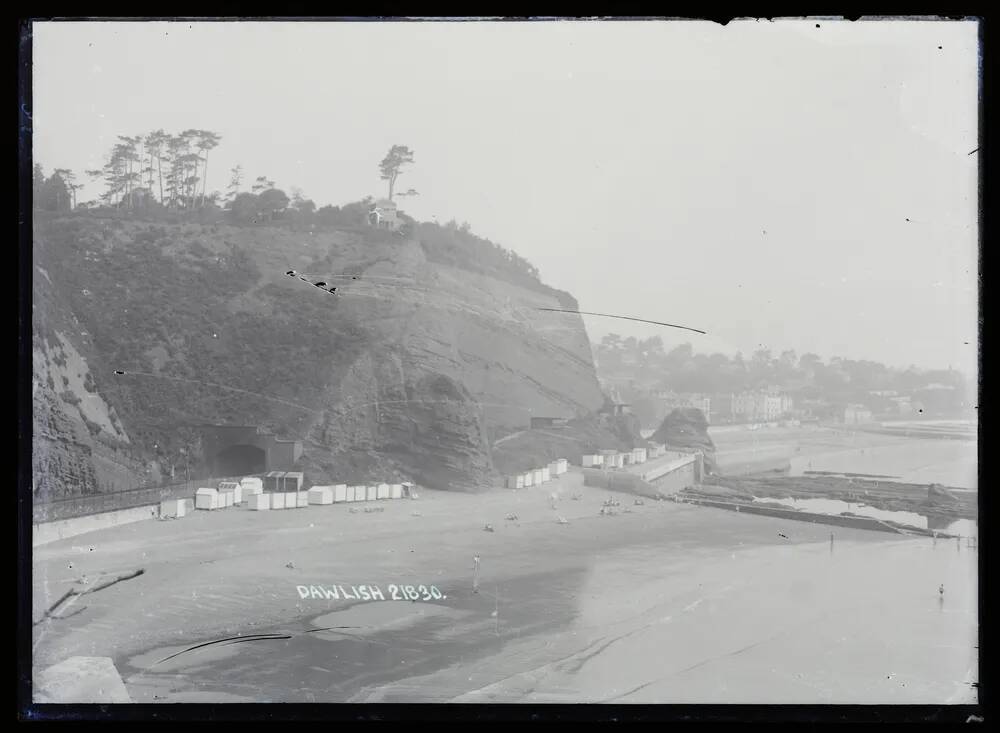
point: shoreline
(211, 575)
(562, 589)
(914, 460)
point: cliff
(413, 373)
(686, 428)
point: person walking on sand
(941, 590)
(475, 574)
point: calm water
(963, 527)
(947, 462)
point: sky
(801, 184)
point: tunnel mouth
(240, 460)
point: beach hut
(233, 487)
(537, 477)
(206, 499)
(188, 505)
(278, 500)
(175, 508)
(371, 493)
(382, 491)
(546, 474)
(274, 481)
(251, 485)
(563, 466)
(293, 481)
(529, 479)
(356, 493)
(396, 491)
(339, 493)
(515, 481)
(260, 502)
(251, 490)
(292, 500)
(591, 461)
(320, 495)
(408, 490)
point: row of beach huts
(619, 459)
(280, 490)
(537, 476)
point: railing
(69, 507)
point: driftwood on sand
(78, 592)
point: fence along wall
(42, 534)
(64, 518)
(79, 506)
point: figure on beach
(475, 574)
(941, 590)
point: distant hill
(410, 376)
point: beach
(950, 462)
(666, 603)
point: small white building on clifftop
(385, 215)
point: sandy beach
(664, 603)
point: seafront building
(753, 406)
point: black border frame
(28, 711)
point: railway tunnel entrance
(235, 450)
(240, 459)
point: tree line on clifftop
(164, 177)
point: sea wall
(46, 532)
(674, 461)
(665, 481)
(799, 516)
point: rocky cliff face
(686, 428)
(78, 436)
(412, 373)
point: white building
(385, 215)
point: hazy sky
(773, 183)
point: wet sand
(575, 592)
(793, 624)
